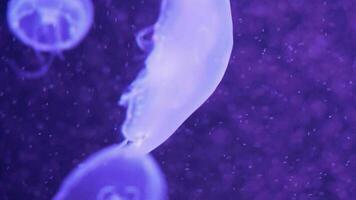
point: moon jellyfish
(49, 26)
(115, 174)
(192, 43)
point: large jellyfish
(115, 174)
(192, 43)
(49, 26)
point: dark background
(281, 125)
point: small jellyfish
(192, 44)
(49, 26)
(115, 174)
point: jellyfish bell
(115, 174)
(49, 26)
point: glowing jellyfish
(114, 174)
(49, 26)
(192, 43)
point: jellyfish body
(115, 174)
(192, 45)
(49, 26)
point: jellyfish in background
(115, 174)
(49, 26)
(192, 44)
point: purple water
(280, 126)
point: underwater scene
(177, 99)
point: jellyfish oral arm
(192, 46)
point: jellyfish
(192, 44)
(115, 174)
(48, 26)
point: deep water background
(281, 125)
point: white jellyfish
(192, 44)
(115, 174)
(50, 26)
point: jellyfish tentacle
(30, 75)
(23, 74)
(142, 41)
(58, 39)
(124, 144)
